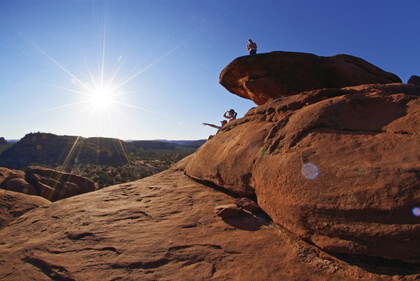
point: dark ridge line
(50, 270)
(221, 189)
(378, 265)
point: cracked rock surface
(339, 168)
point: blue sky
(164, 58)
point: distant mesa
(50, 184)
(53, 150)
(276, 74)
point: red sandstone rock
(414, 79)
(14, 204)
(5, 172)
(247, 204)
(163, 228)
(227, 211)
(337, 167)
(18, 185)
(54, 185)
(276, 74)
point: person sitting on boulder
(230, 115)
(252, 47)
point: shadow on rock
(244, 222)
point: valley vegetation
(106, 161)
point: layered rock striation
(50, 184)
(276, 74)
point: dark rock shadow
(378, 265)
(244, 222)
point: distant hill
(2, 141)
(54, 150)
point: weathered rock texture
(50, 184)
(162, 228)
(54, 185)
(337, 167)
(13, 205)
(265, 76)
(19, 184)
(5, 172)
(414, 79)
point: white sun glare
(101, 98)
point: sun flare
(101, 98)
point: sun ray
(90, 73)
(148, 66)
(70, 153)
(103, 50)
(71, 90)
(61, 67)
(57, 107)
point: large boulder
(18, 184)
(54, 185)
(265, 76)
(14, 204)
(337, 167)
(414, 79)
(5, 173)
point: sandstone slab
(227, 211)
(18, 184)
(162, 228)
(55, 185)
(14, 204)
(265, 76)
(5, 172)
(338, 167)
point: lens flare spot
(416, 211)
(310, 171)
(39, 147)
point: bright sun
(100, 98)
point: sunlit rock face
(50, 184)
(54, 185)
(14, 204)
(5, 172)
(337, 167)
(265, 76)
